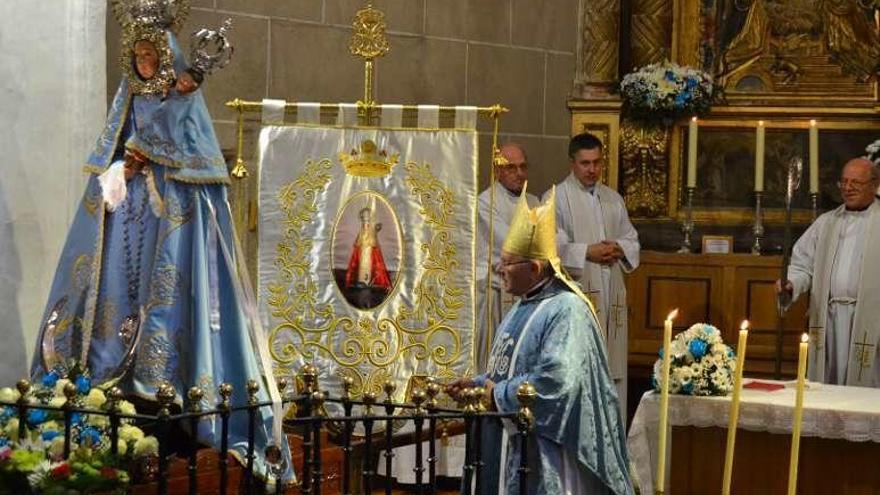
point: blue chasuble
(551, 340)
(166, 254)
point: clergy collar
(590, 189)
(539, 291)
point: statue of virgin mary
(149, 290)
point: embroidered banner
(366, 260)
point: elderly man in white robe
(601, 245)
(836, 260)
(504, 194)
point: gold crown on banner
(532, 231)
(369, 161)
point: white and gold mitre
(532, 231)
(532, 235)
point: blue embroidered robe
(552, 341)
(174, 239)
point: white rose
(146, 446)
(130, 433)
(59, 386)
(57, 401)
(9, 395)
(122, 446)
(95, 399)
(11, 429)
(98, 420)
(56, 447)
(126, 407)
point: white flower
(121, 446)
(11, 429)
(56, 447)
(126, 407)
(9, 395)
(146, 446)
(98, 420)
(95, 399)
(57, 401)
(130, 433)
(59, 387)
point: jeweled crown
(369, 161)
(166, 14)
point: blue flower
(50, 378)
(50, 435)
(37, 416)
(6, 413)
(90, 436)
(687, 388)
(670, 76)
(690, 82)
(660, 353)
(4, 441)
(76, 418)
(698, 348)
(83, 384)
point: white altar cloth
(830, 411)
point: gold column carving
(644, 169)
(651, 31)
(597, 50)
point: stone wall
(520, 53)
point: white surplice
(835, 260)
(588, 216)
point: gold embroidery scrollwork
(309, 329)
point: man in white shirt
(602, 244)
(836, 260)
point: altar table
(840, 441)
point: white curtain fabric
(52, 106)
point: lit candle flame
(813, 122)
(694, 119)
(673, 314)
(744, 325)
(761, 123)
(805, 338)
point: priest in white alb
(504, 194)
(836, 260)
(601, 245)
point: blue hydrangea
(698, 348)
(83, 384)
(76, 418)
(50, 435)
(6, 413)
(37, 416)
(4, 441)
(670, 76)
(50, 379)
(687, 388)
(90, 436)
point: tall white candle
(734, 406)
(759, 157)
(814, 157)
(693, 129)
(798, 416)
(664, 403)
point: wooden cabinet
(721, 289)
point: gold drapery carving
(651, 31)
(598, 44)
(644, 165)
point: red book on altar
(765, 386)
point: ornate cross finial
(369, 40)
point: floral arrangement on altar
(34, 461)
(872, 152)
(700, 363)
(667, 92)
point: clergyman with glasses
(835, 260)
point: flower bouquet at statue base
(32, 448)
(700, 363)
(665, 92)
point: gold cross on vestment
(616, 307)
(817, 338)
(864, 353)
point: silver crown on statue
(160, 13)
(211, 50)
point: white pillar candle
(759, 157)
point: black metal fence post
(224, 408)
(165, 396)
(526, 395)
(194, 396)
(369, 400)
(432, 390)
(389, 388)
(347, 426)
(418, 399)
(253, 388)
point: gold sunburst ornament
(369, 40)
(169, 14)
(140, 44)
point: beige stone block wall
(520, 53)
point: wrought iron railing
(310, 421)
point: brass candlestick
(758, 229)
(687, 226)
